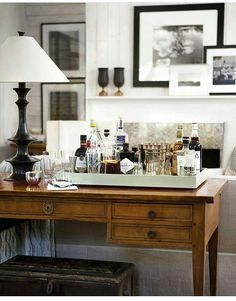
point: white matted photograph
(62, 102)
(172, 35)
(222, 69)
(188, 80)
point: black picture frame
(138, 10)
(78, 88)
(69, 37)
(228, 84)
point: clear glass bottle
(93, 137)
(127, 159)
(185, 159)
(107, 149)
(121, 136)
(196, 146)
(94, 153)
(140, 168)
(80, 164)
(91, 158)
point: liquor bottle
(196, 146)
(177, 147)
(91, 158)
(121, 136)
(93, 153)
(93, 137)
(186, 160)
(108, 149)
(179, 138)
(80, 164)
(127, 159)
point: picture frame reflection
(62, 102)
(65, 44)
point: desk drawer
(151, 212)
(141, 233)
(40, 207)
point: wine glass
(103, 80)
(119, 80)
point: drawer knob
(48, 207)
(151, 234)
(152, 214)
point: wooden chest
(42, 276)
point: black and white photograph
(65, 44)
(63, 105)
(173, 45)
(184, 80)
(172, 35)
(188, 79)
(62, 102)
(222, 69)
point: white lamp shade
(23, 60)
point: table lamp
(23, 60)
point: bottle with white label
(127, 159)
(121, 136)
(80, 164)
(196, 146)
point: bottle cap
(92, 123)
(106, 132)
(185, 140)
(120, 123)
(83, 137)
(126, 146)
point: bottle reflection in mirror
(103, 80)
(119, 80)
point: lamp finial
(21, 33)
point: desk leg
(198, 249)
(212, 249)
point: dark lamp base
(20, 164)
(22, 161)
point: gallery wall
(110, 44)
(35, 14)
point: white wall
(110, 44)
(10, 23)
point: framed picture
(65, 44)
(172, 35)
(62, 102)
(189, 79)
(222, 69)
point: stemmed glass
(119, 80)
(103, 80)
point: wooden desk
(170, 218)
